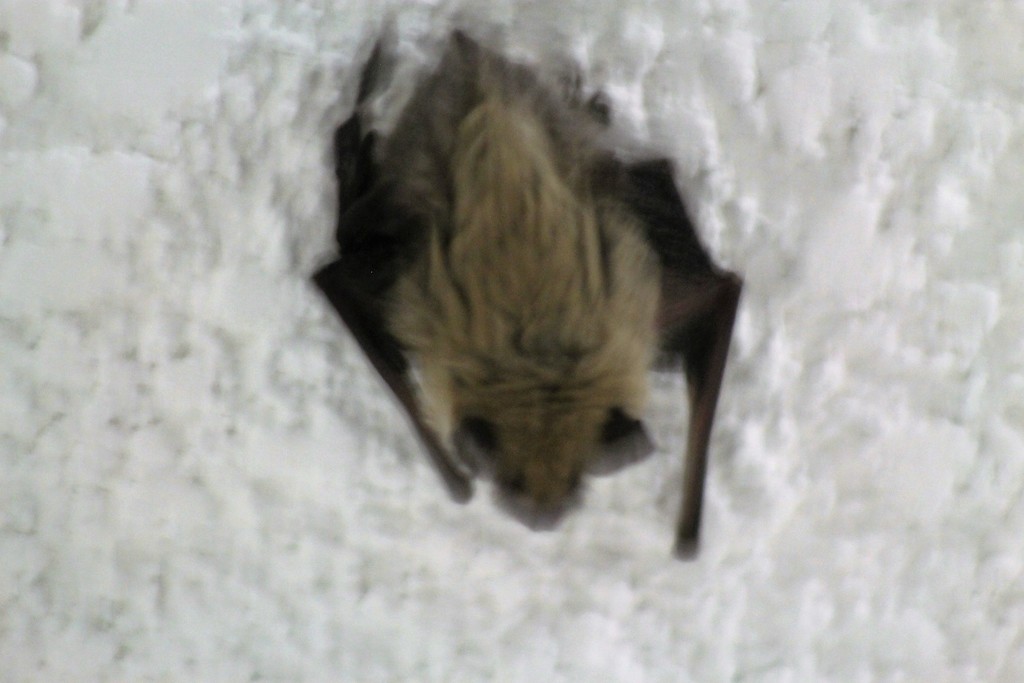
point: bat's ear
(624, 441)
(476, 442)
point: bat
(513, 281)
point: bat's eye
(623, 442)
(476, 440)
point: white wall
(201, 478)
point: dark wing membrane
(353, 165)
(376, 240)
(652, 195)
(695, 320)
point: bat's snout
(538, 497)
(537, 515)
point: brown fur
(533, 302)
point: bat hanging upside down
(496, 253)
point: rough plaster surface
(201, 478)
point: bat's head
(538, 453)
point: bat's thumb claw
(686, 548)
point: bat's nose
(539, 503)
(528, 512)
